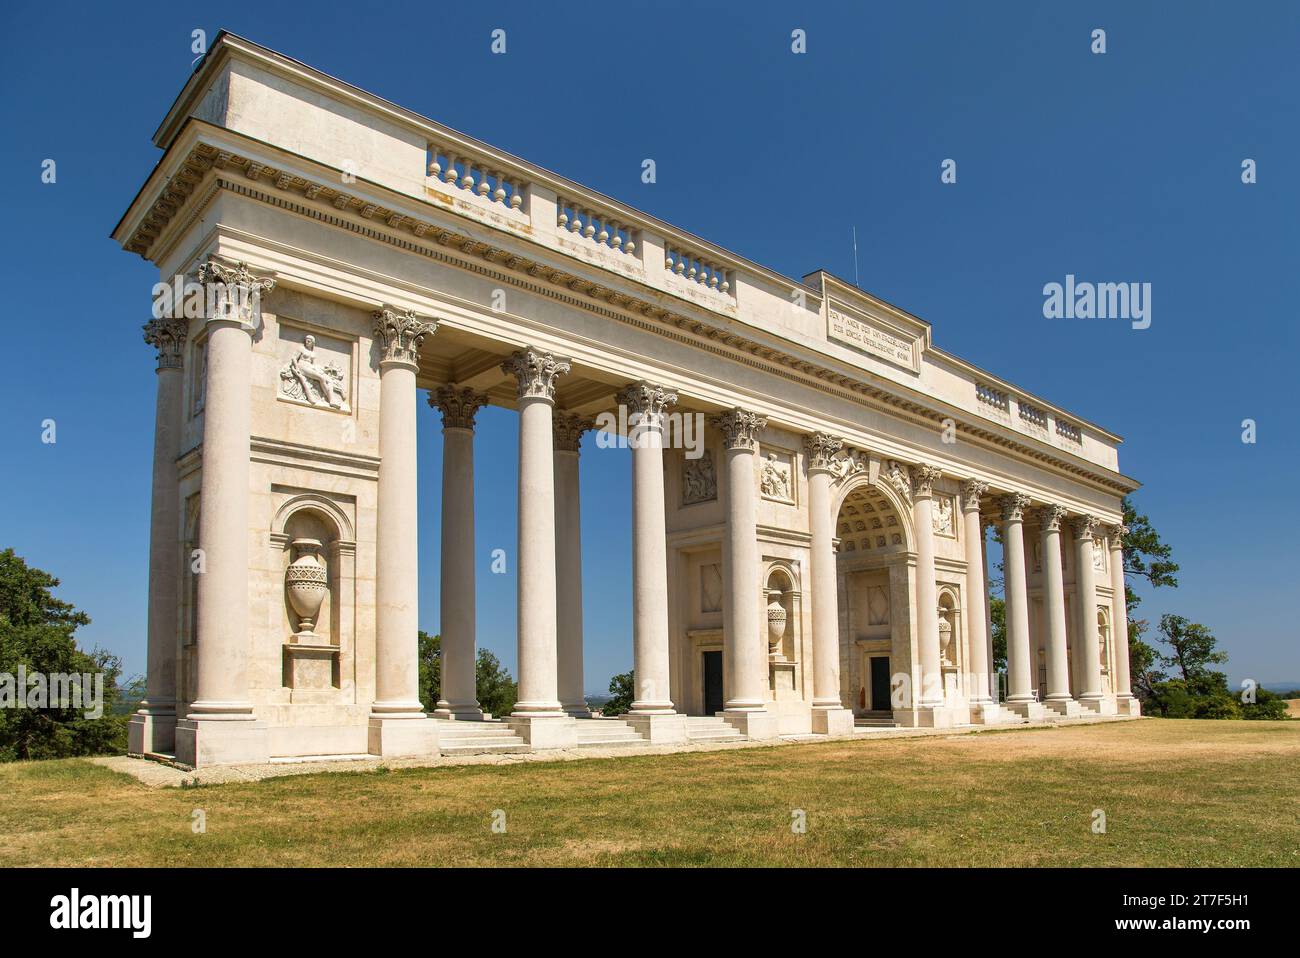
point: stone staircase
(477, 738)
(711, 728)
(597, 732)
(874, 720)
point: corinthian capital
(399, 333)
(168, 337)
(536, 372)
(1050, 517)
(1085, 526)
(647, 402)
(235, 291)
(459, 405)
(923, 479)
(972, 490)
(739, 427)
(1117, 534)
(568, 428)
(821, 446)
(1014, 506)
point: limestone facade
(813, 479)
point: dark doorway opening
(880, 683)
(712, 682)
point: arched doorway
(873, 535)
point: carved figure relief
(775, 478)
(1098, 555)
(699, 479)
(308, 378)
(943, 516)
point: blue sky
(1117, 167)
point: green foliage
(496, 690)
(37, 634)
(998, 623)
(1144, 554)
(1268, 706)
(621, 694)
(1193, 648)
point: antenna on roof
(855, 257)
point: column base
(756, 724)
(1099, 704)
(1029, 709)
(389, 737)
(151, 732)
(544, 731)
(1128, 705)
(658, 727)
(580, 711)
(222, 741)
(925, 716)
(831, 720)
(1066, 708)
(459, 713)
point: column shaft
(459, 698)
(1017, 600)
(744, 648)
(538, 676)
(825, 601)
(1058, 669)
(976, 588)
(568, 562)
(646, 403)
(927, 602)
(1119, 614)
(1086, 591)
(222, 667)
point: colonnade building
(813, 479)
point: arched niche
(311, 530)
(1104, 647)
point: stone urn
(945, 641)
(776, 622)
(305, 584)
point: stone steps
(711, 728)
(596, 732)
(477, 738)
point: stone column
(652, 711)
(1086, 594)
(398, 725)
(459, 699)
(927, 602)
(221, 727)
(568, 562)
(1057, 697)
(153, 728)
(538, 709)
(829, 716)
(744, 649)
(977, 628)
(1126, 701)
(986, 524)
(1020, 697)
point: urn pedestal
(311, 661)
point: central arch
(874, 556)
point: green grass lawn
(1175, 793)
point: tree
(621, 694)
(1193, 648)
(495, 689)
(37, 638)
(1146, 557)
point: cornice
(338, 207)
